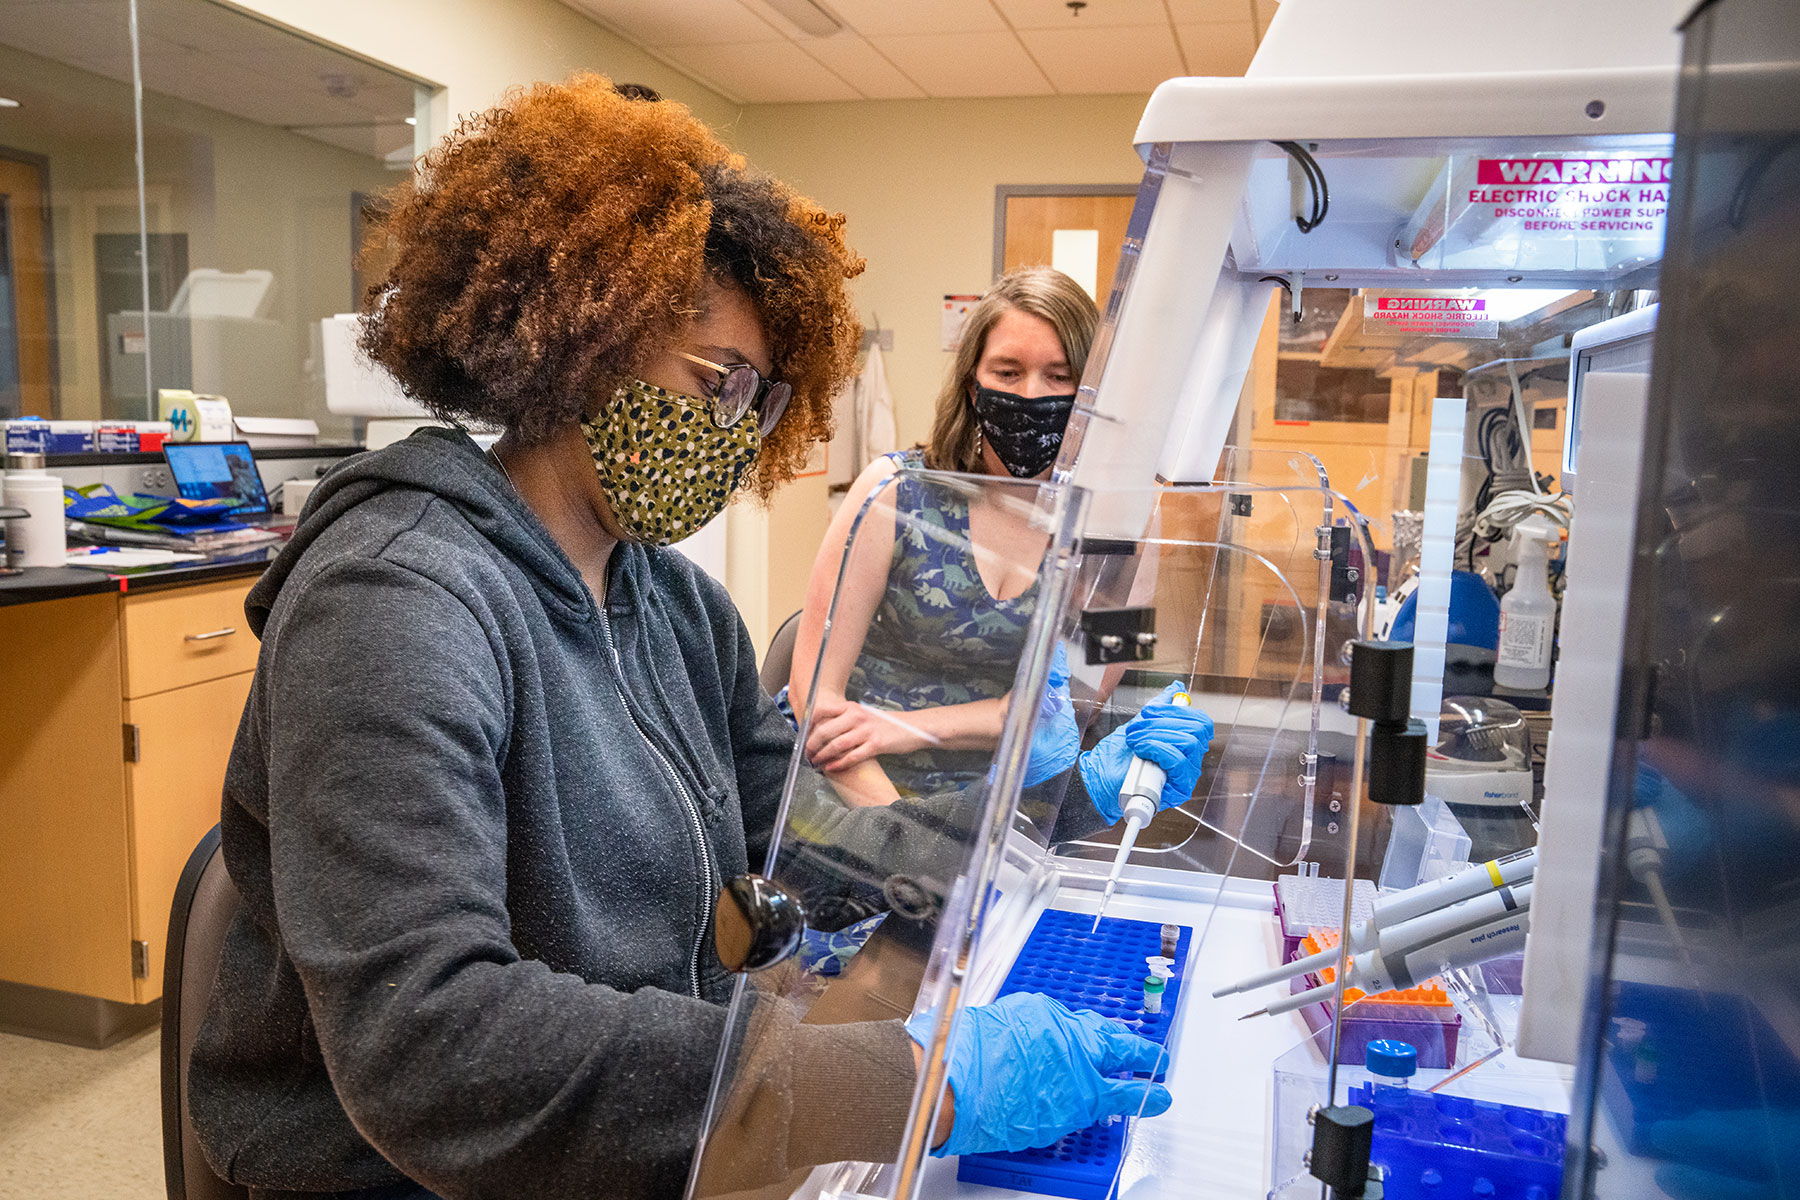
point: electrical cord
(1315, 178)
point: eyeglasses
(742, 389)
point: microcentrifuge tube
(1153, 993)
(1171, 940)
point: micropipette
(1137, 800)
(1397, 908)
(1462, 935)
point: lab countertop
(33, 584)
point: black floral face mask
(1026, 432)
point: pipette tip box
(1102, 971)
(1432, 1146)
(1304, 903)
(1423, 1017)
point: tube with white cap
(1156, 982)
(1138, 801)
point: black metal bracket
(1239, 502)
(1108, 547)
(1116, 635)
(1381, 692)
(1346, 576)
(1343, 1138)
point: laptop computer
(223, 471)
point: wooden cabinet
(183, 636)
(117, 715)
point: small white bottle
(1528, 612)
(36, 540)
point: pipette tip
(1261, 1012)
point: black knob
(1381, 680)
(1343, 1137)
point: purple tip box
(1303, 904)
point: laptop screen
(217, 471)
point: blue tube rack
(1433, 1147)
(1102, 971)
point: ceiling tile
(1218, 47)
(1101, 60)
(1097, 14)
(967, 64)
(860, 64)
(64, 33)
(762, 72)
(1201, 12)
(891, 18)
(659, 23)
(209, 27)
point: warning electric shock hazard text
(1577, 195)
(1447, 316)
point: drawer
(185, 635)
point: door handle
(207, 637)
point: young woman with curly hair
(502, 748)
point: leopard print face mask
(665, 467)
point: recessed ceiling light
(8, 102)
(808, 16)
(412, 120)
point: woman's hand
(843, 734)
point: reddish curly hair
(553, 245)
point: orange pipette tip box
(1430, 994)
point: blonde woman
(912, 687)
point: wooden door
(1029, 225)
(27, 315)
(65, 913)
(184, 740)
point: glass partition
(964, 866)
(1689, 1056)
(261, 150)
(68, 192)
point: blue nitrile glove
(1742, 1154)
(1172, 737)
(1025, 1071)
(1055, 741)
(1684, 827)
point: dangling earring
(978, 443)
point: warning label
(1437, 316)
(1620, 196)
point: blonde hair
(1041, 291)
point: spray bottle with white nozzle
(1528, 611)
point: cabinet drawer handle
(207, 637)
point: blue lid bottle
(1394, 1059)
(1392, 1063)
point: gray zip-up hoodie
(479, 823)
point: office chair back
(205, 903)
(778, 663)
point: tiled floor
(80, 1124)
